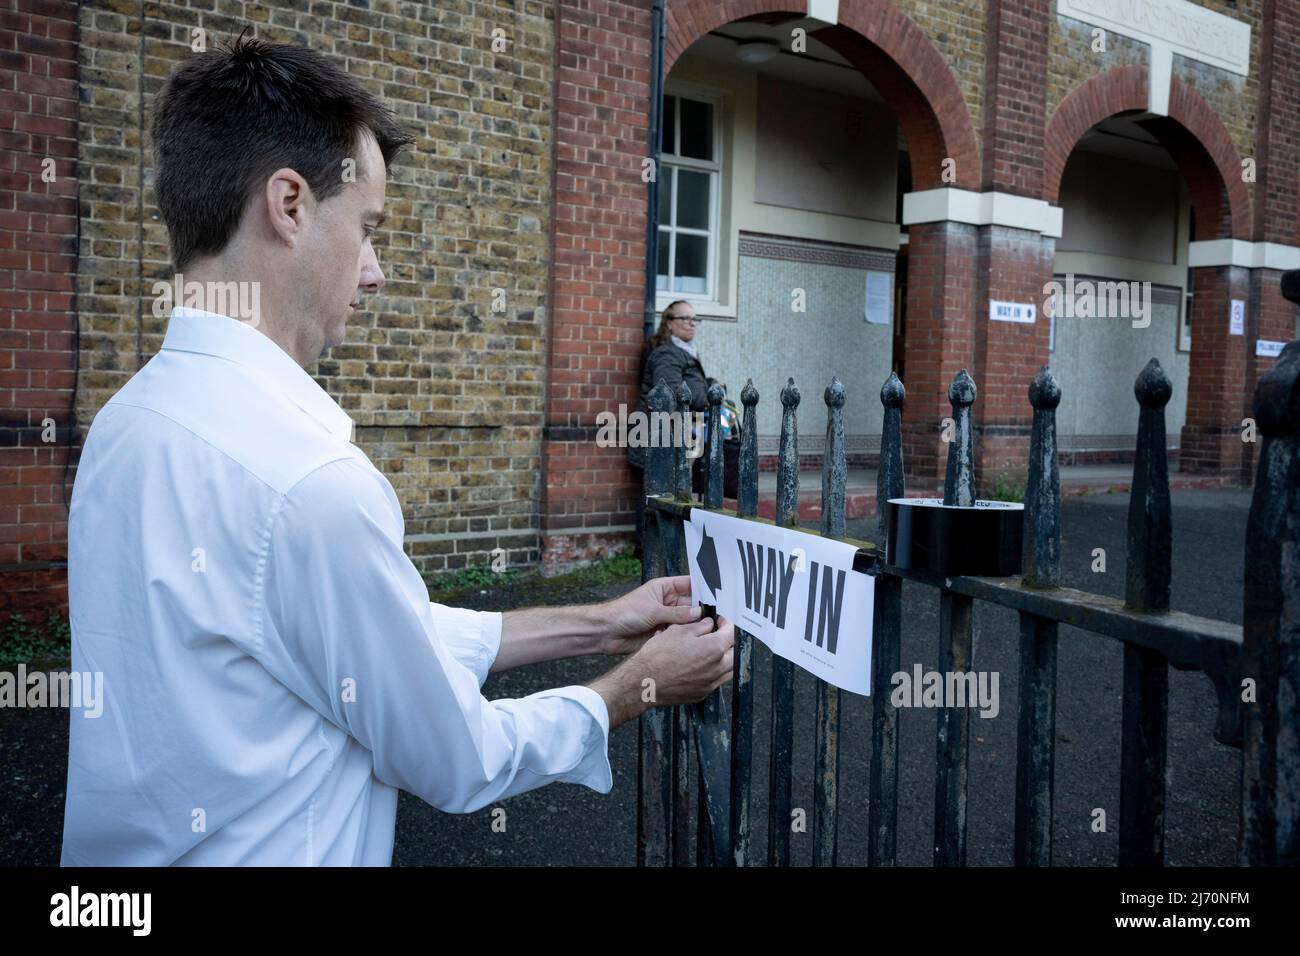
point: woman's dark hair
(663, 334)
(228, 118)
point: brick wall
(1277, 203)
(1013, 265)
(602, 87)
(1015, 115)
(38, 249)
(1235, 99)
(941, 318)
(1217, 400)
(1277, 145)
(447, 394)
(1071, 60)
(957, 31)
(526, 178)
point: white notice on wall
(1237, 318)
(1268, 349)
(880, 298)
(1012, 312)
(795, 592)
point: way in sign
(785, 578)
(768, 580)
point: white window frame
(667, 175)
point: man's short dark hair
(229, 118)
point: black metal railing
(1264, 655)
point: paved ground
(569, 825)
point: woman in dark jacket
(669, 357)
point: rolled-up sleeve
(473, 637)
(346, 622)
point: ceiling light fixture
(757, 51)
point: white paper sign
(879, 308)
(795, 592)
(1237, 320)
(1268, 349)
(1011, 312)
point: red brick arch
(1192, 133)
(895, 56)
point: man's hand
(682, 664)
(619, 626)
(638, 615)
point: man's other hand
(638, 615)
(681, 664)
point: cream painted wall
(1118, 208)
(738, 88)
(752, 331)
(1096, 362)
(1122, 222)
(821, 151)
(1097, 359)
(772, 343)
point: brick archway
(1192, 133)
(895, 56)
(1209, 163)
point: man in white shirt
(273, 668)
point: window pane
(668, 141)
(697, 129)
(665, 195)
(692, 199)
(691, 271)
(662, 281)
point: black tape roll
(924, 534)
(709, 611)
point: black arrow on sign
(707, 559)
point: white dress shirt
(273, 668)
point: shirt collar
(209, 333)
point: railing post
(787, 515)
(882, 841)
(677, 564)
(742, 684)
(955, 614)
(1041, 561)
(713, 487)
(826, 770)
(1146, 672)
(681, 461)
(654, 727)
(1270, 785)
(959, 480)
(703, 839)
(712, 718)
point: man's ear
(288, 204)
